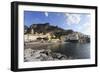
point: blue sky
(76, 21)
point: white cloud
(73, 18)
(87, 24)
(87, 28)
(46, 14)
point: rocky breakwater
(42, 55)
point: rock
(47, 52)
(50, 58)
(59, 56)
(42, 55)
(28, 52)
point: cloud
(72, 18)
(87, 28)
(80, 22)
(46, 14)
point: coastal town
(38, 37)
(51, 36)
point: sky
(79, 22)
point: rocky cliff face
(44, 28)
(77, 37)
(68, 35)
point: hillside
(59, 33)
(46, 28)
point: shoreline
(39, 45)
